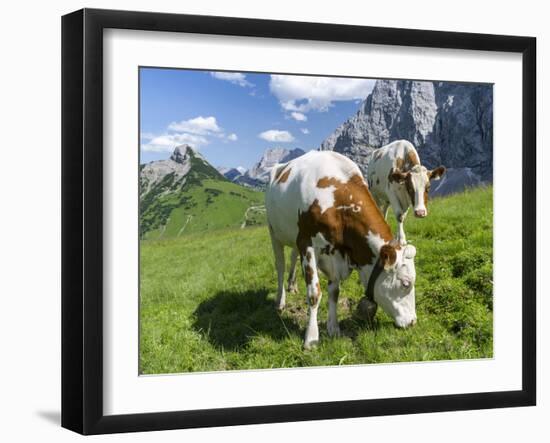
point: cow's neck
(371, 281)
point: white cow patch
(375, 241)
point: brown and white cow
(320, 205)
(397, 179)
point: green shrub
(480, 280)
(469, 260)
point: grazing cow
(320, 205)
(397, 179)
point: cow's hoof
(293, 288)
(280, 307)
(309, 345)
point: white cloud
(196, 132)
(303, 94)
(274, 135)
(304, 130)
(234, 77)
(298, 116)
(198, 125)
(167, 142)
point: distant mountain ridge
(184, 161)
(231, 173)
(449, 124)
(258, 175)
(185, 193)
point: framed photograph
(269, 221)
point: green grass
(207, 299)
(203, 206)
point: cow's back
(400, 154)
(293, 188)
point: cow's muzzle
(420, 213)
(399, 323)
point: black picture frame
(82, 218)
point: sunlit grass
(207, 299)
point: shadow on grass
(230, 319)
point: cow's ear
(396, 175)
(437, 173)
(388, 256)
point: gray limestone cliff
(449, 124)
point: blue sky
(232, 117)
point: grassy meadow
(207, 298)
(209, 205)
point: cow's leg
(400, 216)
(333, 293)
(400, 224)
(279, 252)
(313, 290)
(292, 286)
(382, 203)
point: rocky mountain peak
(183, 153)
(184, 160)
(258, 175)
(449, 123)
(272, 156)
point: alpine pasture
(207, 291)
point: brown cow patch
(412, 159)
(410, 187)
(284, 177)
(388, 255)
(437, 172)
(397, 176)
(399, 163)
(344, 228)
(281, 177)
(314, 297)
(308, 274)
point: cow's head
(394, 287)
(417, 184)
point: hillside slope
(186, 194)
